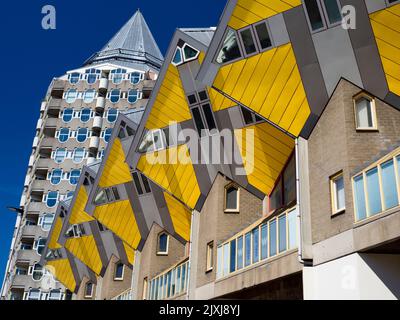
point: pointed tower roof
(133, 44)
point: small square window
(338, 194)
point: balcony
(54, 103)
(148, 85)
(22, 281)
(100, 104)
(126, 295)
(266, 239)
(43, 163)
(37, 207)
(97, 122)
(27, 255)
(51, 122)
(176, 279)
(39, 184)
(103, 85)
(94, 143)
(33, 231)
(48, 142)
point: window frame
(221, 45)
(210, 257)
(162, 253)
(257, 39)
(86, 295)
(117, 278)
(324, 16)
(356, 98)
(333, 192)
(226, 188)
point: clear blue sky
(31, 57)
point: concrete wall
(335, 145)
(218, 226)
(150, 264)
(354, 277)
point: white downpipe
(190, 256)
(299, 229)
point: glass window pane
(289, 182)
(209, 117)
(282, 233)
(247, 251)
(248, 41)
(230, 48)
(183, 282)
(263, 36)
(340, 199)
(226, 259)
(189, 52)
(292, 229)
(333, 11)
(361, 211)
(178, 56)
(256, 245)
(272, 238)
(231, 198)
(364, 113)
(247, 116)
(67, 115)
(232, 266)
(198, 121)
(314, 14)
(219, 262)
(374, 195)
(240, 253)
(85, 115)
(389, 185)
(264, 241)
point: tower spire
(133, 44)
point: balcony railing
(126, 295)
(264, 240)
(170, 284)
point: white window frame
(237, 209)
(333, 191)
(88, 296)
(358, 97)
(162, 253)
(115, 272)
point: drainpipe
(190, 256)
(299, 229)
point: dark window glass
(289, 182)
(116, 193)
(314, 14)
(333, 11)
(119, 271)
(203, 95)
(137, 183)
(276, 197)
(263, 36)
(192, 99)
(230, 48)
(209, 117)
(248, 41)
(231, 198)
(247, 115)
(232, 266)
(146, 184)
(189, 52)
(163, 243)
(178, 56)
(198, 121)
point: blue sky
(31, 57)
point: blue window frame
(232, 266)
(162, 243)
(89, 96)
(82, 135)
(115, 95)
(117, 75)
(74, 177)
(56, 176)
(52, 199)
(107, 134)
(71, 96)
(389, 185)
(247, 249)
(74, 77)
(60, 155)
(133, 96)
(135, 77)
(67, 115)
(64, 135)
(264, 241)
(272, 238)
(85, 115)
(92, 75)
(256, 245)
(112, 115)
(78, 156)
(282, 233)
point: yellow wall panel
(269, 84)
(386, 27)
(78, 214)
(85, 249)
(130, 253)
(174, 176)
(120, 219)
(248, 12)
(115, 171)
(62, 271)
(170, 103)
(180, 215)
(55, 235)
(265, 156)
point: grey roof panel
(135, 115)
(133, 43)
(203, 35)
